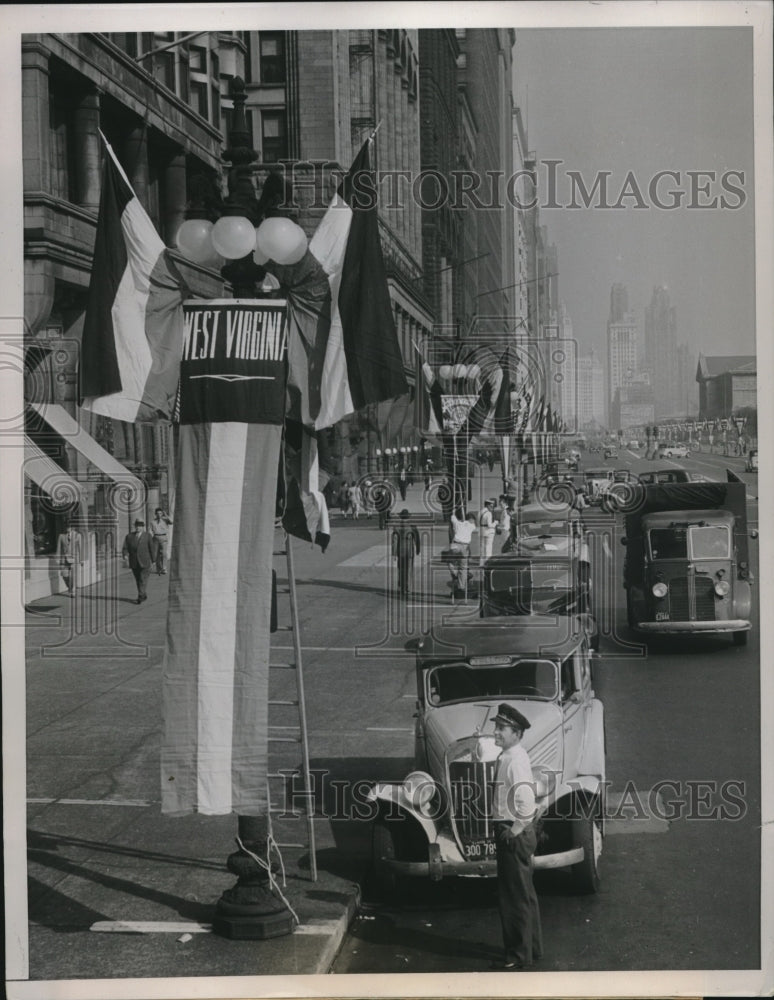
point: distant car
(610, 453)
(597, 483)
(751, 465)
(674, 451)
(634, 443)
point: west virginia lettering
(244, 334)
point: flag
(428, 409)
(133, 328)
(303, 507)
(344, 351)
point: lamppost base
(252, 922)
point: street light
(249, 233)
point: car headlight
(722, 587)
(659, 589)
(419, 789)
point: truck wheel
(740, 638)
(386, 881)
(586, 833)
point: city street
(677, 893)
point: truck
(687, 566)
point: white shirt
(513, 799)
(463, 530)
(487, 522)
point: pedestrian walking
(69, 550)
(462, 535)
(355, 500)
(403, 483)
(344, 497)
(513, 814)
(486, 524)
(503, 526)
(428, 472)
(160, 531)
(138, 550)
(405, 546)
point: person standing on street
(403, 482)
(513, 814)
(138, 549)
(69, 550)
(486, 525)
(159, 529)
(405, 546)
(462, 535)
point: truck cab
(687, 567)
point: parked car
(751, 465)
(437, 822)
(687, 567)
(546, 569)
(619, 492)
(597, 483)
(674, 451)
(665, 476)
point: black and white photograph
(385, 461)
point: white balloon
(445, 372)
(233, 236)
(194, 240)
(281, 240)
(259, 256)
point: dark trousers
(519, 911)
(402, 486)
(141, 575)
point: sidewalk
(99, 850)
(116, 889)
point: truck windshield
(524, 679)
(709, 541)
(668, 543)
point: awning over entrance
(53, 480)
(60, 420)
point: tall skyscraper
(621, 344)
(591, 391)
(661, 360)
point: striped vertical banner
(215, 691)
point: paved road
(677, 893)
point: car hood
(446, 725)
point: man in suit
(139, 550)
(405, 545)
(70, 556)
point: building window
(62, 146)
(199, 96)
(273, 136)
(272, 56)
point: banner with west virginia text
(230, 406)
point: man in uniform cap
(487, 526)
(513, 813)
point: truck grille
(704, 597)
(678, 600)
(471, 799)
(692, 600)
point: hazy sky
(647, 100)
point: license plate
(481, 849)
(662, 616)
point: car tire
(586, 832)
(739, 638)
(385, 844)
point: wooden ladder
(292, 733)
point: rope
(271, 844)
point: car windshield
(535, 589)
(709, 541)
(524, 679)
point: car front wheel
(586, 833)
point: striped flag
(216, 665)
(133, 329)
(344, 351)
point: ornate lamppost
(249, 232)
